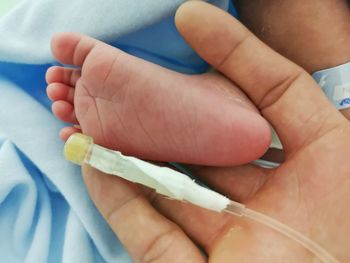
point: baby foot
(144, 110)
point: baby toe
(72, 48)
(64, 111)
(59, 91)
(66, 132)
(68, 76)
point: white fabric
(26, 31)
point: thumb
(285, 94)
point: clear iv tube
(318, 251)
(80, 149)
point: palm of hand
(310, 193)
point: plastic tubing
(80, 150)
(302, 240)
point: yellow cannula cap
(77, 147)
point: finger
(203, 226)
(224, 237)
(286, 95)
(147, 235)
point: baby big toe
(72, 48)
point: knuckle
(220, 65)
(160, 246)
(276, 91)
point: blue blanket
(45, 212)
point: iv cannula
(80, 150)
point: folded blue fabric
(45, 212)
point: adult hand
(309, 192)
